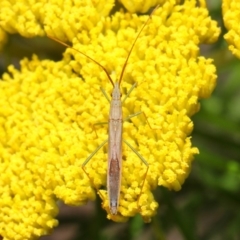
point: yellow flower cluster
(231, 13)
(49, 110)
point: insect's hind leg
(145, 163)
(88, 160)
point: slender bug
(115, 126)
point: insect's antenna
(126, 61)
(66, 45)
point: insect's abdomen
(114, 183)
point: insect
(115, 127)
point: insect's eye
(120, 95)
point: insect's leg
(86, 162)
(97, 149)
(143, 160)
(93, 153)
(129, 92)
(127, 95)
(100, 123)
(105, 94)
(135, 114)
(131, 116)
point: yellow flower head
(231, 13)
(49, 110)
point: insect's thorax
(116, 104)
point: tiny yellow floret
(231, 13)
